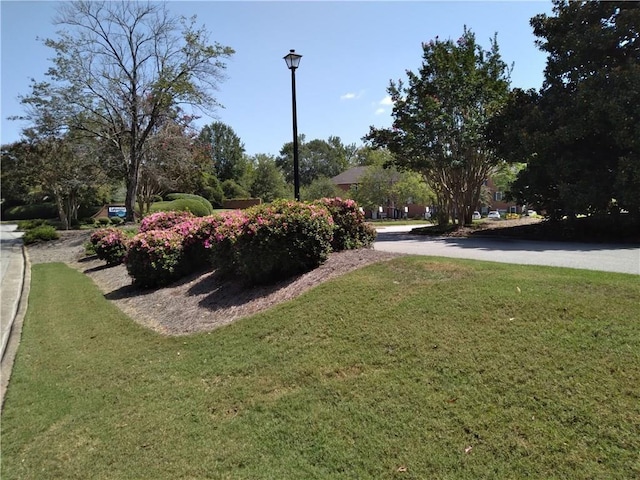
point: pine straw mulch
(201, 302)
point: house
(350, 177)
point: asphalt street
(603, 257)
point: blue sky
(350, 52)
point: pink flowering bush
(220, 239)
(163, 220)
(351, 229)
(281, 239)
(155, 258)
(110, 244)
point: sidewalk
(14, 285)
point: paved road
(603, 257)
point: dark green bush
(351, 229)
(117, 221)
(33, 211)
(104, 221)
(24, 225)
(282, 239)
(206, 203)
(43, 233)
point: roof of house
(350, 177)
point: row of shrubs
(259, 245)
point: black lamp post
(293, 60)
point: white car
(476, 216)
(494, 214)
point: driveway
(604, 257)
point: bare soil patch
(198, 303)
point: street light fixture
(293, 60)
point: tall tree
(317, 158)
(580, 134)
(226, 151)
(120, 67)
(440, 118)
(268, 181)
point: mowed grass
(418, 368)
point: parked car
(494, 214)
(476, 215)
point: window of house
(497, 196)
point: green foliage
(440, 118)
(580, 134)
(232, 189)
(321, 187)
(351, 231)
(103, 221)
(42, 233)
(28, 212)
(268, 180)
(211, 189)
(24, 225)
(155, 258)
(282, 239)
(110, 244)
(206, 203)
(225, 150)
(117, 221)
(317, 158)
(197, 207)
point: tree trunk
(132, 189)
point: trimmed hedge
(30, 212)
(182, 205)
(191, 196)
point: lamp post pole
(293, 60)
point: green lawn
(418, 368)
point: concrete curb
(13, 335)
(15, 303)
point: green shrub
(42, 233)
(32, 211)
(351, 229)
(282, 239)
(182, 205)
(155, 258)
(24, 225)
(104, 221)
(110, 245)
(190, 196)
(117, 221)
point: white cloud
(380, 111)
(386, 101)
(348, 96)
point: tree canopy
(580, 134)
(122, 67)
(440, 116)
(317, 158)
